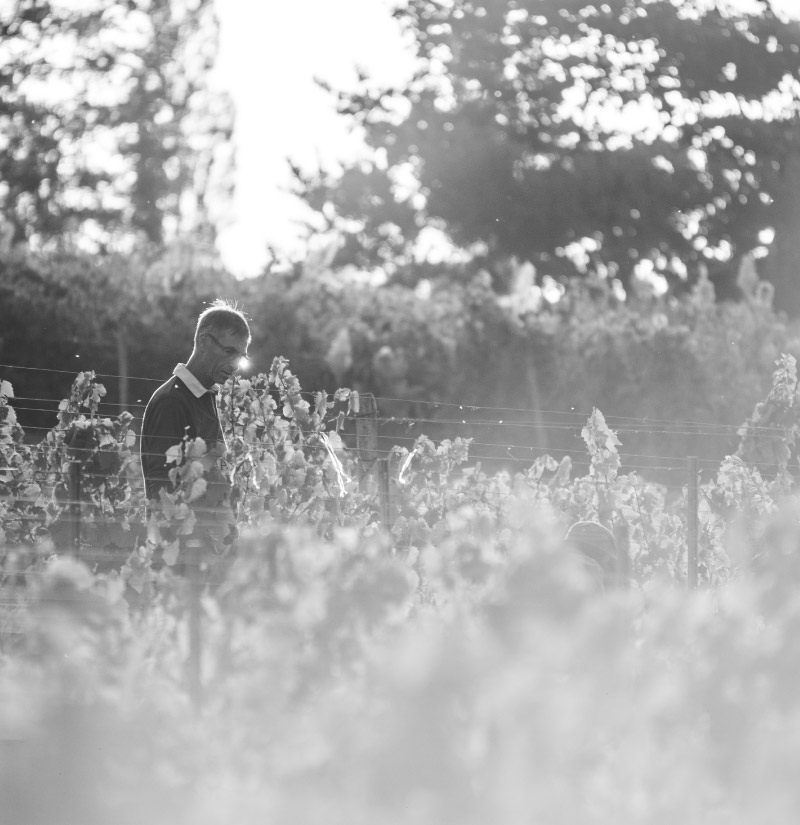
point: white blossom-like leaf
(188, 524)
(196, 448)
(171, 552)
(174, 454)
(198, 489)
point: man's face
(223, 354)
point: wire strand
(75, 372)
(580, 415)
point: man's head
(598, 547)
(221, 339)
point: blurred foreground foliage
(346, 683)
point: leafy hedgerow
(347, 683)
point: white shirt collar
(197, 389)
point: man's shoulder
(171, 390)
(171, 399)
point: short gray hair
(222, 316)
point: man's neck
(198, 373)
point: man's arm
(166, 423)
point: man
(186, 405)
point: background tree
(625, 136)
(108, 126)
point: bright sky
(270, 53)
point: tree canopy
(622, 137)
(108, 126)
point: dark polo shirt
(175, 411)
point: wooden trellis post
(74, 493)
(193, 551)
(375, 476)
(692, 521)
(367, 429)
(384, 495)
